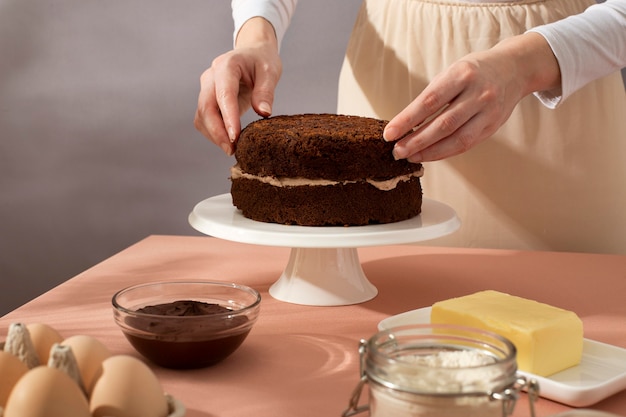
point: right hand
(237, 80)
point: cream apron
(548, 179)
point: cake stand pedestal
(323, 267)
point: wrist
(536, 66)
(256, 31)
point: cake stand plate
(323, 267)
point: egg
(89, 353)
(46, 392)
(127, 388)
(11, 370)
(43, 337)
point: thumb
(263, 96)
(264, 108)
(262, 102)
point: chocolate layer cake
(322, 170)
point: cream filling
(386, 185)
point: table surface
(303, 360)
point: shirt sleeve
(277, 12)
(587, 46)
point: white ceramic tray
(601, 373)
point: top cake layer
(339, 147)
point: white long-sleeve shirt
(587, 46)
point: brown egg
(11, 370)
(43, 337)
(127, 388)
(89, 353)
(46, 392)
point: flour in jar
(455, 372)
(451, 359)
(446, 371)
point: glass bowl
(186, 324)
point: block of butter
(548, 339)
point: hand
(470, 100)
(244, 77)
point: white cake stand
(324, 267)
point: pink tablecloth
(303, 360)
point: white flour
(445, 372)
(451, 359)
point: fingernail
(226, 148)
(265, 108)
(390, 134)
(232, 136)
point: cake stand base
(323, 277)
(323, 268)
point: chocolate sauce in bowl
(184, 308)
(195, 340)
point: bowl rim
(250, 290)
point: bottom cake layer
(352, 204)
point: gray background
(97, 144)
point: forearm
(277, 12)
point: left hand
(469, 101)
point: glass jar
(439, 371)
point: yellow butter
(548, 339)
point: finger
(212, 128)
(208, 119)
(470, 134)
(263, 92)
(445, 123)
(428, 104)
(227, 82)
